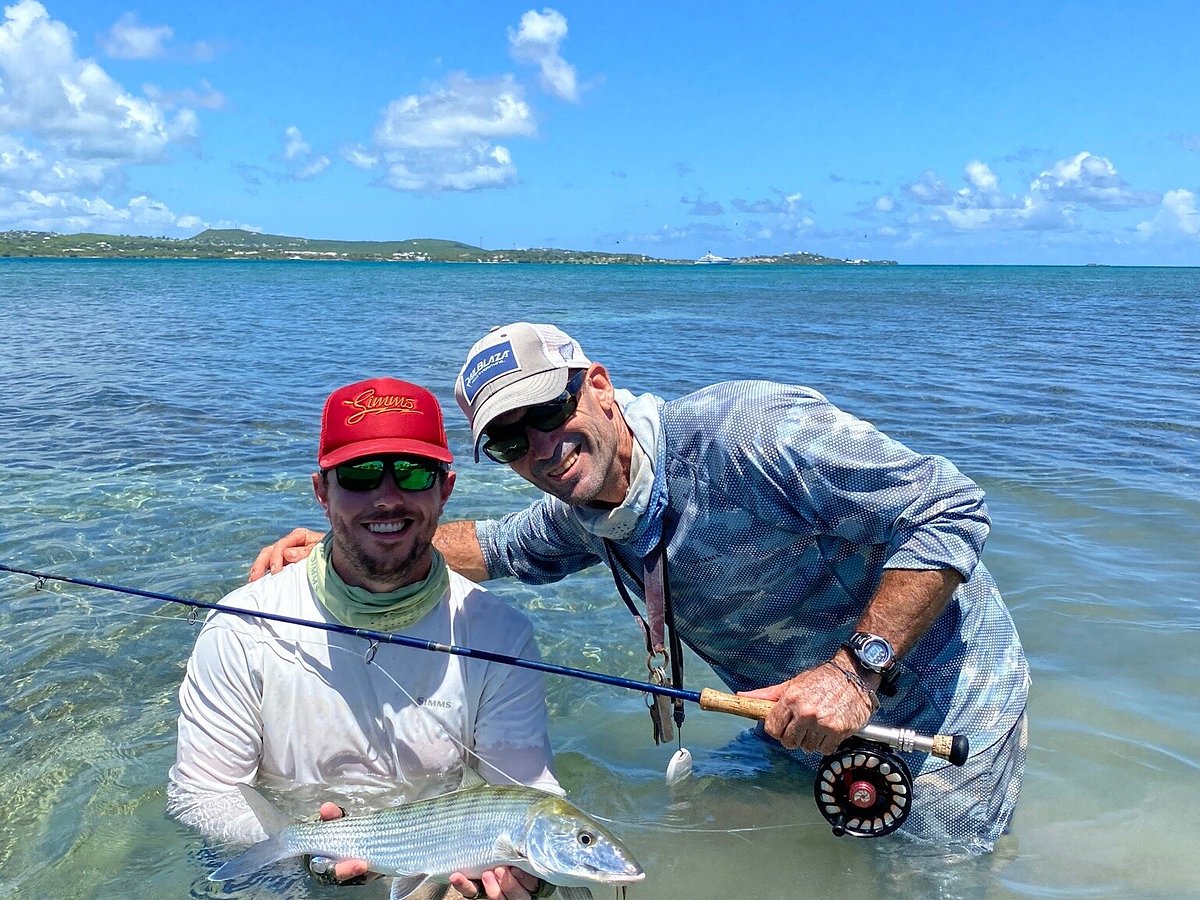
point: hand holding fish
(344, 870)
(818, 708)
(500, 883)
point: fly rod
(954, 748)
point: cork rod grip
(952, 747)
(718, 701)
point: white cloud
(71, 105)
(295, 145)
(462, 111)
(929, 190)
(884, 203)
(536, 40)
(782, 204)
(1177, 216)
(129, 39)
(302, 163)
(207, 96)
(66, 212)
(1091, 180)
(68, 130)
(449, 138)
(981, 178)
(23, 166)
(1054, 200)
(360, 157)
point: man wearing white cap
(812, 560)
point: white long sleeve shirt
(302, 710)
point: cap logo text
(486, 366)
(368, 403)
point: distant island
(239, 244)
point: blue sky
(1019, 132)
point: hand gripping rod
(952, 747)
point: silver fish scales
(470, 830)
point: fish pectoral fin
(573, 893)
(403, 885)
(471, 779)
(506, 849)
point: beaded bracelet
(853, 679)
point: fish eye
(586, 838)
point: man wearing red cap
(295, 707)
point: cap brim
(384, 446)
(529, 391)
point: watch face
(876, 653)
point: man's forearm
(906, 603)
(458, 543)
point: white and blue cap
(514, 366)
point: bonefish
(475, 828)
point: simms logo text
(369, 403)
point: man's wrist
(848, 660)
(866, 691)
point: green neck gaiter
(360, 608)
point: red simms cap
(378, 416)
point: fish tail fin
(264, 852)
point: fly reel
(863, 789)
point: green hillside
(238, 244)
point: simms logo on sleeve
(486, 366)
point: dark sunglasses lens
(413, 476)
(361, 476)
(550, 416)
(507, 449)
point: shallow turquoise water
(158, 421)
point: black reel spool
(863, 789)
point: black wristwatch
(875, 653)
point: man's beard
(391, 570)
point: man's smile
(387, 527)
(568, 460)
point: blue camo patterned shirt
(783, 512)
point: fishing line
(862, 789)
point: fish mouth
(632, 874)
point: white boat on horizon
(711, 259)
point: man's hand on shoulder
(292, 547)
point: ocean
(158, 423)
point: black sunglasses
(508, 443)
(409, 474)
